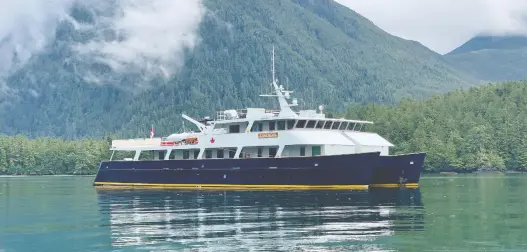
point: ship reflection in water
(260, 220)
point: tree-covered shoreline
(462, 131)
(20, 155)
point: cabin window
(208, 153)
(315, 151)
(301, 123)
(257, 126)
(234, 128)
(272, 125)
(219, 153)
(172, 154)
(335, 125)
(302, 151)
(320, 124)
(161, 154)
(186, 154)
(260, 152)
(351, 126)
(311, 124)
(290, 124)
(328, 125)
(196, 153)
(343, 125)
(281, 125)
(232, 152)
(272, 152)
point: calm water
(449, 213)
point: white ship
(263, 148)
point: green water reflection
(448, 213)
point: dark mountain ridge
(507, 42)
(492, 58)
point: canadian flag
(152, 131)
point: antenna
(312, 97)
(280, 93)
(273, 67)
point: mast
(281, 94)
(272, 69)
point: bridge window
(320, 124)
(361, 127)
(302, 151)
(260, 152)
(335, 125)
(186, 154)
(219, 154)
(351, 126)
(311, 124)
(343, 125)
(301, 123)
(328, 125)
(208, 154)
(196, 153)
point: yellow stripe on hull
(233, 187)
(406, 185)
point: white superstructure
(258, 132)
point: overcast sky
(442, 25)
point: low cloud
(147, 38)
(26, 27)
(443, 25)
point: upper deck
(262, 114)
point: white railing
(137, 142)
(231, 114)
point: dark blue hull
(339, 171)
(399, 170)
(353, 171)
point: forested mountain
(482, 127)
(325, 52)
(483, 42)
(492, 58)
(466, 130)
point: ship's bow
(399, 170)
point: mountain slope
(492, 58)
(325, 52)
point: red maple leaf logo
(212, 140)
